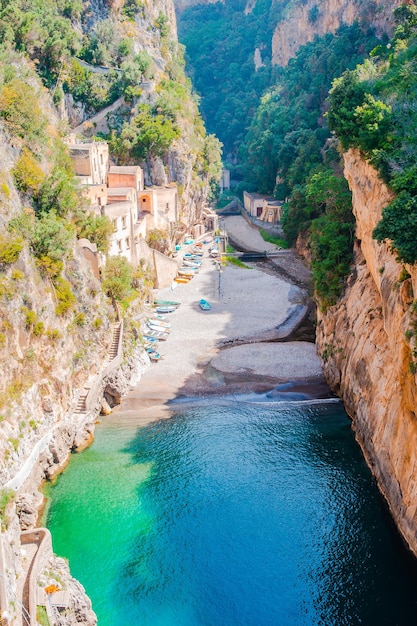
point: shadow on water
(252, 509)
(264, 514)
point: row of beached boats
(157, 327)
(191, 264)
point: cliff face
(366, 342)
(304, 20)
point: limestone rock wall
(304, 20)
(366, 342)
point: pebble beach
(237, 346)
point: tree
(95, 228)
(51, 237)
(118, 277)
(148, 135)
(399, 225)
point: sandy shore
(231, 348)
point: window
(124, 221)
(127, 243)
(119, 245)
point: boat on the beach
(206, 306)
(186, 271)
(166, 309)
(160, 321)
(170, 303)
(153, 354)
(214, 252)
(155, 334)
(193, 264)
(161, 329)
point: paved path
(246, 234)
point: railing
(42, 538)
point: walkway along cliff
(367, 344)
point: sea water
(232, 513)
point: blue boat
(206, 306)
(153, 354)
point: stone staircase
(81, 407)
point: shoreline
(245, 344)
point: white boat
(155, 326)
(150, 333)
(186, 271)
(159, 322)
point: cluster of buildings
(119, 193)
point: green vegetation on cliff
(289, 151)
(374, 108)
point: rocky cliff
(57, 330)
(367, 343)
(304, 20)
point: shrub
(27, 173)
(79, 319)
(23, 224)
(38, 329)
(65, 297)
(17, 275)
(98, 323)
(53, 334)
(398, 225)
(6, 497)
(30, 317)
(10, 248)
(5, 190)
(49, 267)
(20, 110)
(51, 237)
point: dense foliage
(220, 41)
(289, 151)
(373, 108)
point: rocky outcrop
(367, 344)
(304, 20)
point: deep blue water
(234, 514)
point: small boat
(188, 242)
(155, 334)
(165, 309)
(186, 271)
(150, 343)
(206, 306)
(153, 354)
(214, 252)
(167, 303)
(193, 264)
(160, 321)
(155, 326)
(182, 280)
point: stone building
(262, 207)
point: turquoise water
(234, 514)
